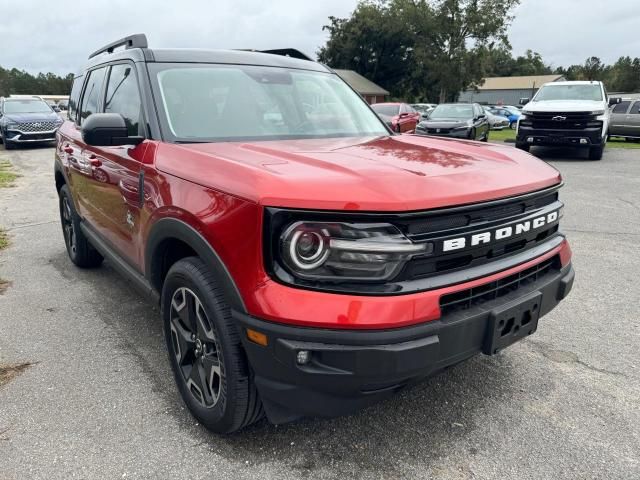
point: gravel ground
(99, 400)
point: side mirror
(107, 130)
(523, 101)
(614, 101)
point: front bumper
(17, 136)
(351, 369)
(587, 137)
(457, 133)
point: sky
(57, 36)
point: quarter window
(123, 97)
(91, 97)
(635, 109)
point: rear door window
(74, 98)
(635, 109)
(91, 99)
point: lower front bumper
(351, 369)
(463, 133)
(21, 137)
(572, 138)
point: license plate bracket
(512, 322)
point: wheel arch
(169, 234)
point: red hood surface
(397, 173)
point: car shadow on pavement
(560, 154)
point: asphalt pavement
(98, 400)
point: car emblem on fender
(558, 118)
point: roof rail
(285, 52)
(139, 40)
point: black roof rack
(284, 52)
(139, 40)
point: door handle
(68, 149)
(94, 161)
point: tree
(593, 69)
(422, 49)
(16, 81)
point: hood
(564, 106)
(394, 173)
(32, 117)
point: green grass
(508, 134)
(502, 135)
(6, 175)
(4, 239)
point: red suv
(306, 259)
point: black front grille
(472, 297)
(473, 220)
(439, 131)
(561, 121)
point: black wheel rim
(196, 350)
(67, 226)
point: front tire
(209, 364)
(595, 153)
(80, 250)
(513, 125)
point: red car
(306, 260)
(400, 117)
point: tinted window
(386, 109)
(74, 98)
(91, 97)
(635, 109)
(123, 97)
(621, 107)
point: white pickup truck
(573, 114)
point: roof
(232, 57)
(361, 84)
(518, 83)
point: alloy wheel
(196, 349)
(67, 226)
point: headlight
(346, 251)
(12, 125)
(597, 112)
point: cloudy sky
(47, 35)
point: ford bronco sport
(306, 259)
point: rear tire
(80, 251)
(523, 146)
(209, 364)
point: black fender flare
(171, 228)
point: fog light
(303, 357)
(584, 141)
(530, 139)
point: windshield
(386, 109)
(26, 106)
(206, 103)
(569, 92)
(451, 111)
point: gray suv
(625, 120)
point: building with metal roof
(371, 92)
(507, 90)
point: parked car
(53, 105)
(424, 108)
(512, 113)
(458, 120)
(27, 120)
(303, 265)
(573, 114)
(496, 122)
(400, 117)
(63, 104)
(625, 120)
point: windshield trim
(168, 135)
